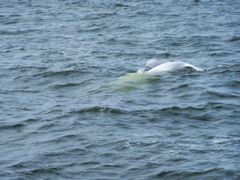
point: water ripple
(69, 109)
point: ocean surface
(62, 116)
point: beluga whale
(156, 67)
(153, 69)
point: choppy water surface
(61, 117)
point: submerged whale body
(131, 81)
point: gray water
(60, 118)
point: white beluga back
(157, 67)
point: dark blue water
(61, 118)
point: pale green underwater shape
(131, 81)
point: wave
(12, 126)
(203, 112)
(205, 174)
(97, 109)
(225, 68)
(19, 32)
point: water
(62, 119)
